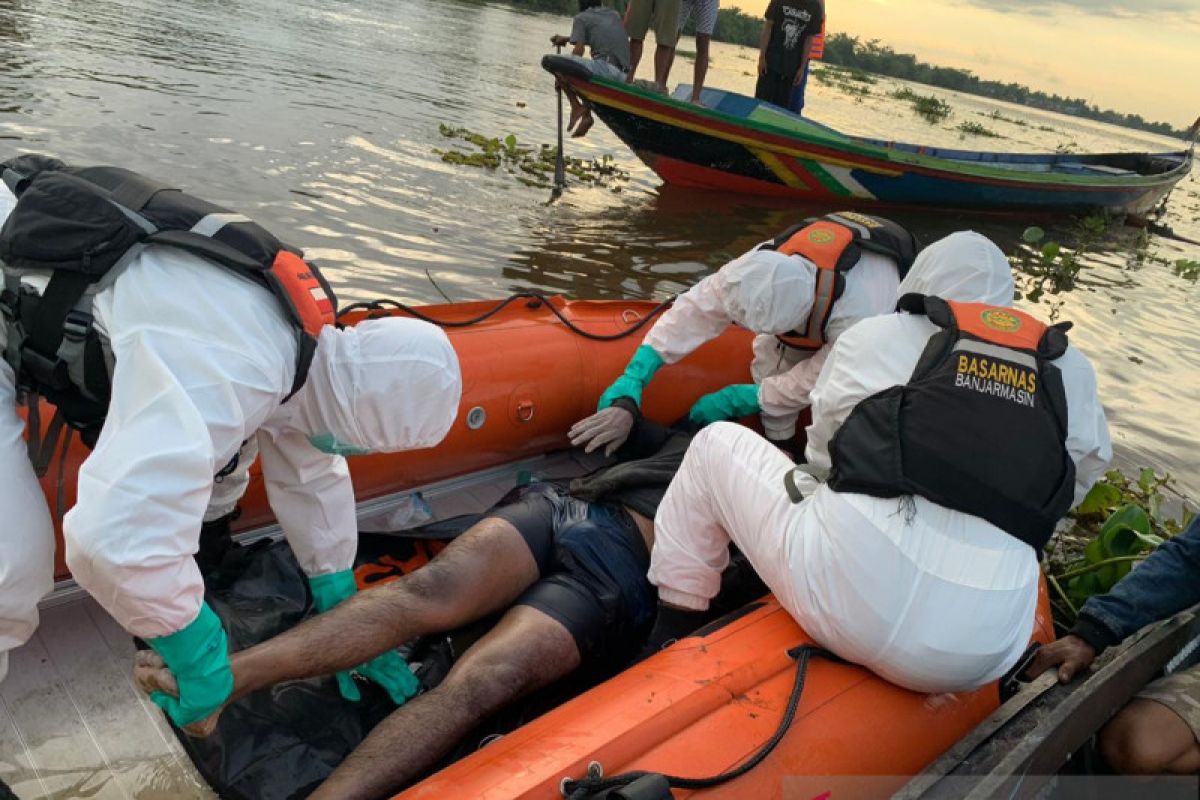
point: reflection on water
(319, 118)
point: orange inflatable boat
(709, 702)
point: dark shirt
(792, 22)
(1161, 586)
(601, 29)
(648, 460)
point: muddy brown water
(319, 119)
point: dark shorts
(592, 563)
(775, 88)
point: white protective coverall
(772, 293)
(930, 598)
(204, 360)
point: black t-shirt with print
(792, 21)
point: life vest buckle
(77, 325)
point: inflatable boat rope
(384, 303)
(653, 785)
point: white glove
(609, 426)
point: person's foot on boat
(586, 121)
(151, 674)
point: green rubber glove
(641, 369)
(198, 655)
(732, 402)
(388, 669)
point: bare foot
(151, 674)
(576, 115)
(696, 100)
(585, 125)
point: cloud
(1185, 9)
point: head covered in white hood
(964, 266)
(380, 387)
(768, 291)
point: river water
(319, 118)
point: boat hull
(775, 154)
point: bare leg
(701, 69)
(663, 56)
(577, 106)
(1148, 738)
(635, 55)
(525, 651)
(479, 573)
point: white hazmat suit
(203, 362)
(771, 293)
(930, 598)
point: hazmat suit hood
(768, 291)
(965, 267)
(380, 387)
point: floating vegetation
(1185, 268)
(1046, 267)
(530, 166)
(929, 107)
(996, 115)
(848, 81)
(1121, 521)
(975, 129)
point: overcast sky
(1140, 57)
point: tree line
(843, 50)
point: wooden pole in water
(560, 167)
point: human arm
(1167, 582)
(783, 396)
(806, 49)
(143, 492)
(27, 535)
(764, 41)
(1088, 441)
(1161, 586)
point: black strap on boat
(536, 299)
(589, 787)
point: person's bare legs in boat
(554, 619)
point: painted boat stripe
(715, 132)
(780, 170)
(966, 173)
(846, 178)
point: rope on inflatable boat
(585, 788)
(383, 304)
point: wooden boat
(734, 143)
(698, 708)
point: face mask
(328, 443)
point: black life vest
(835, 243)
(980, 427)
(81, 225)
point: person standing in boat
(947, 441)
(705, 12)
(599, 27)
(174, 336)
(784, 48)
(1159, 731)
(663, 17)
(799, 292)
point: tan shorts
(662, 15)
(1179, 692)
